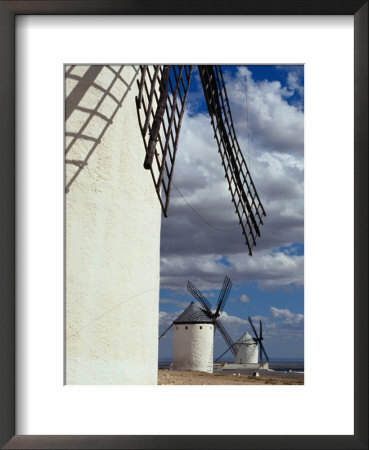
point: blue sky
(270, 284)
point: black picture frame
(8, 12)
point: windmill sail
(258, 339)
(204, 302)
(161, 101)
(165, 331)
(206, 308)
(223, 296)
(160, 106)
(249, 209)
(226, 337)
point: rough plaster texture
(112, 233)
(193, 347)
(247, 353)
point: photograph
(184, 224)
(182, 216)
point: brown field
(188, 377)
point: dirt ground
(189, 377)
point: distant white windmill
(112, 221)
(258, 340)
(247, 348)
(193, 340)
(194, 331)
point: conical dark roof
(192, 314)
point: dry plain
(170, 377)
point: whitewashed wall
(247, 353)
(193, 347)
(112, 233)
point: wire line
(247, 121)
(200, 217)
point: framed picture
(335, 26)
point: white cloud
(244, 298)
(288, 317)
(270, 270)
(232, 320)
(294, 83)
(273, 123)
(276, 330)
(192, 247)
(235, 327)
(166, 318)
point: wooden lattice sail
(161, 100)
(214, 317)
(160, 105)
(244, 196)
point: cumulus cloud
(231, 321)
(282, 329)
(288, 317)
(271, 270)
(294, 83)
(235, 327)
(202, 227)
(274, 124)
(276, 330)
(166, 318)
(244, 298)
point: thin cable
(247, 122)
(225, 352)
(230, 230)
(113, 308)
(200, 217)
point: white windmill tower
(116, 118)
(194, 331)
(193, 340)
(247, 350)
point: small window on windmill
(186, 327)
(177, 327)
(200, 327)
